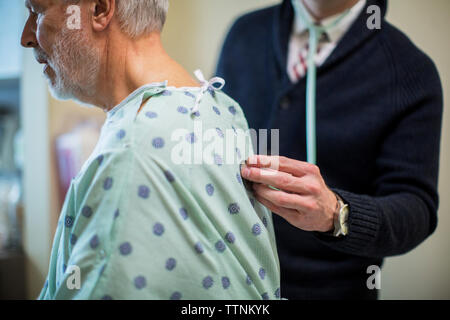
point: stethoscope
(315, 32)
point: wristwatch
(340, 218)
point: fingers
(284, 164)
(289, 215)
(280, 198)
(277, 179)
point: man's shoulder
(251, 23)
(405, 54)
(169, 118)
(247, 40)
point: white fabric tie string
(205, 86)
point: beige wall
(194, 34)
(424, 273)
(195, 29)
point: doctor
(360, 128)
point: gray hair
(139, 17)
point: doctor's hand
(304, 200)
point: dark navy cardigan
(379, 114)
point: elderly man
(141, 220)
(372, 192)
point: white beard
(76, 66)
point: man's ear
(102, 13)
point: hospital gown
(138, 224)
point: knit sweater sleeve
(402, 211)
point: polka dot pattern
(143, 192)
(256, 229)
(183, 213)
(125, 248)
(277, 293)
(158, 229)
(182, 110)
(233, 208)
(262, 273)
(158, 143)
(220, 246)
(73, 239)
(108, 183)
(187, 93)
(149, 236)
(171, 264)
(86, 211)
(151, 115)
(225, 282)
(176, 296)
(199, 247)
(94, 242)
(140, 282)
(230, 237)
(68, 222)
(209, 189)
(121, 134)
(216, 110)
(207, 282)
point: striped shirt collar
(335, 33)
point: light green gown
(139, 225)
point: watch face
(341, 227)
(344, 230)
(343, 214)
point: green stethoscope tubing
(314, 34)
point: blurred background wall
(193, 35)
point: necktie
(300, 67)
(315, 32)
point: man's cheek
(43, 39)
(47, 30)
